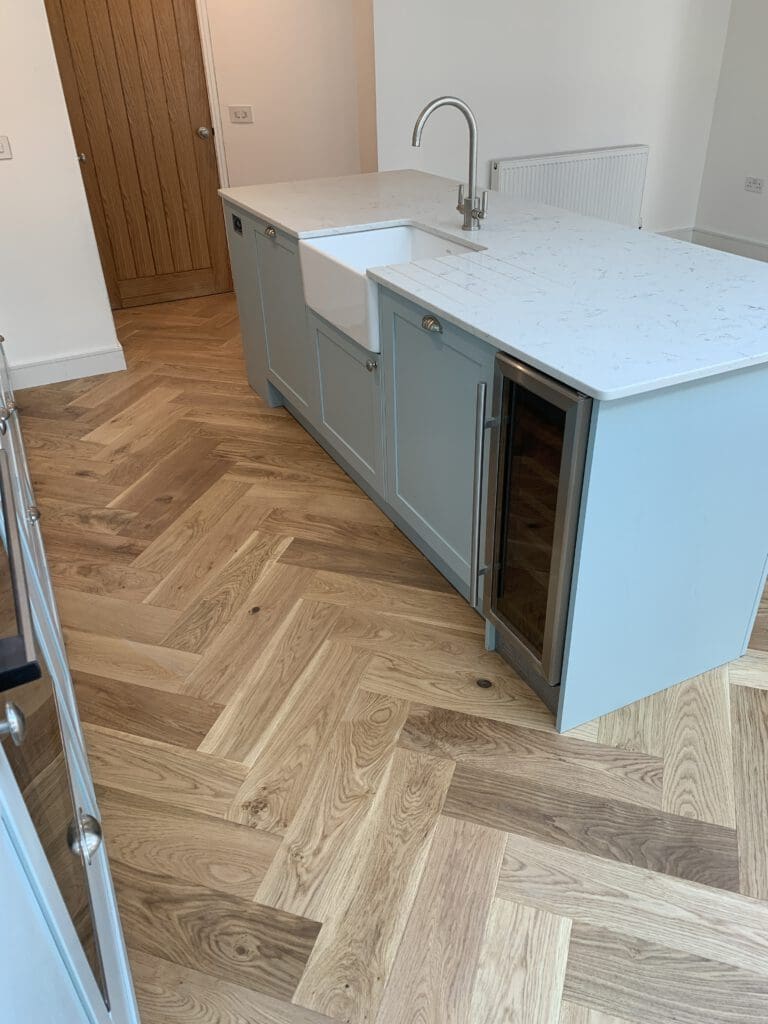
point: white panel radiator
(606, 183)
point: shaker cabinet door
(290, 356)
(350, 400)
(432, 371)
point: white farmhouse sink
(334, 271)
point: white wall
(306, 68)
(551, 75)
(738, 145)
(54, 310)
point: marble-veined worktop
(609, 310)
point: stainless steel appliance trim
(578, 410)
(16, 557)
(477, 492)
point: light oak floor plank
(268, 683)
(192, 847)
(282, 764)
(347, 971)
(749, 708)
(525, 753)
(144, 711)
(161, 668)
(182, 778)
(170, 994)
(689, 849)
(310, 873)
(698, 755)
(522, 966)
(648, 905)
(572, 1013)
(432, 976)
(226, 666)
(109, 616)
(751, 670)
(231, 938)
(643, 982)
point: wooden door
(134, 83)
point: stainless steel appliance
(47, 801)
(539, 439)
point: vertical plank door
(134, 83)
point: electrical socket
(241, 115)
(754, 185)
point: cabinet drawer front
(350, 400)
(431, 381)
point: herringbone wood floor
(312, 810)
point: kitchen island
(645, 566)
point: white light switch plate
(5, 148)
(241, 115)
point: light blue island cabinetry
(401, 421)
(654, 555)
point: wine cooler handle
(481, 425)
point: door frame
(217, 124)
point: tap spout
(452, 101)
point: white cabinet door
(44, 975)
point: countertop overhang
(612, 311)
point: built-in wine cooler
(538, 448)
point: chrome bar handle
(481, 423)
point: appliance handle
(481, 424)
(23, 666)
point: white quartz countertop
(609, 310)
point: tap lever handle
(460, 204)
(485, 203)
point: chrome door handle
(481, 425)
(14, 724)
(204, 133)
(431, 323)
(270, 232)
(84, 836)
(371, 365)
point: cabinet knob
(431, 323)
(270, 232)
(33, 514)
(371, 365)
(14, 724)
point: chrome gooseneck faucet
(474, 209)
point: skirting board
(51, 371)
(749, 247)
(681, 234)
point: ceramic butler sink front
(334, 271)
